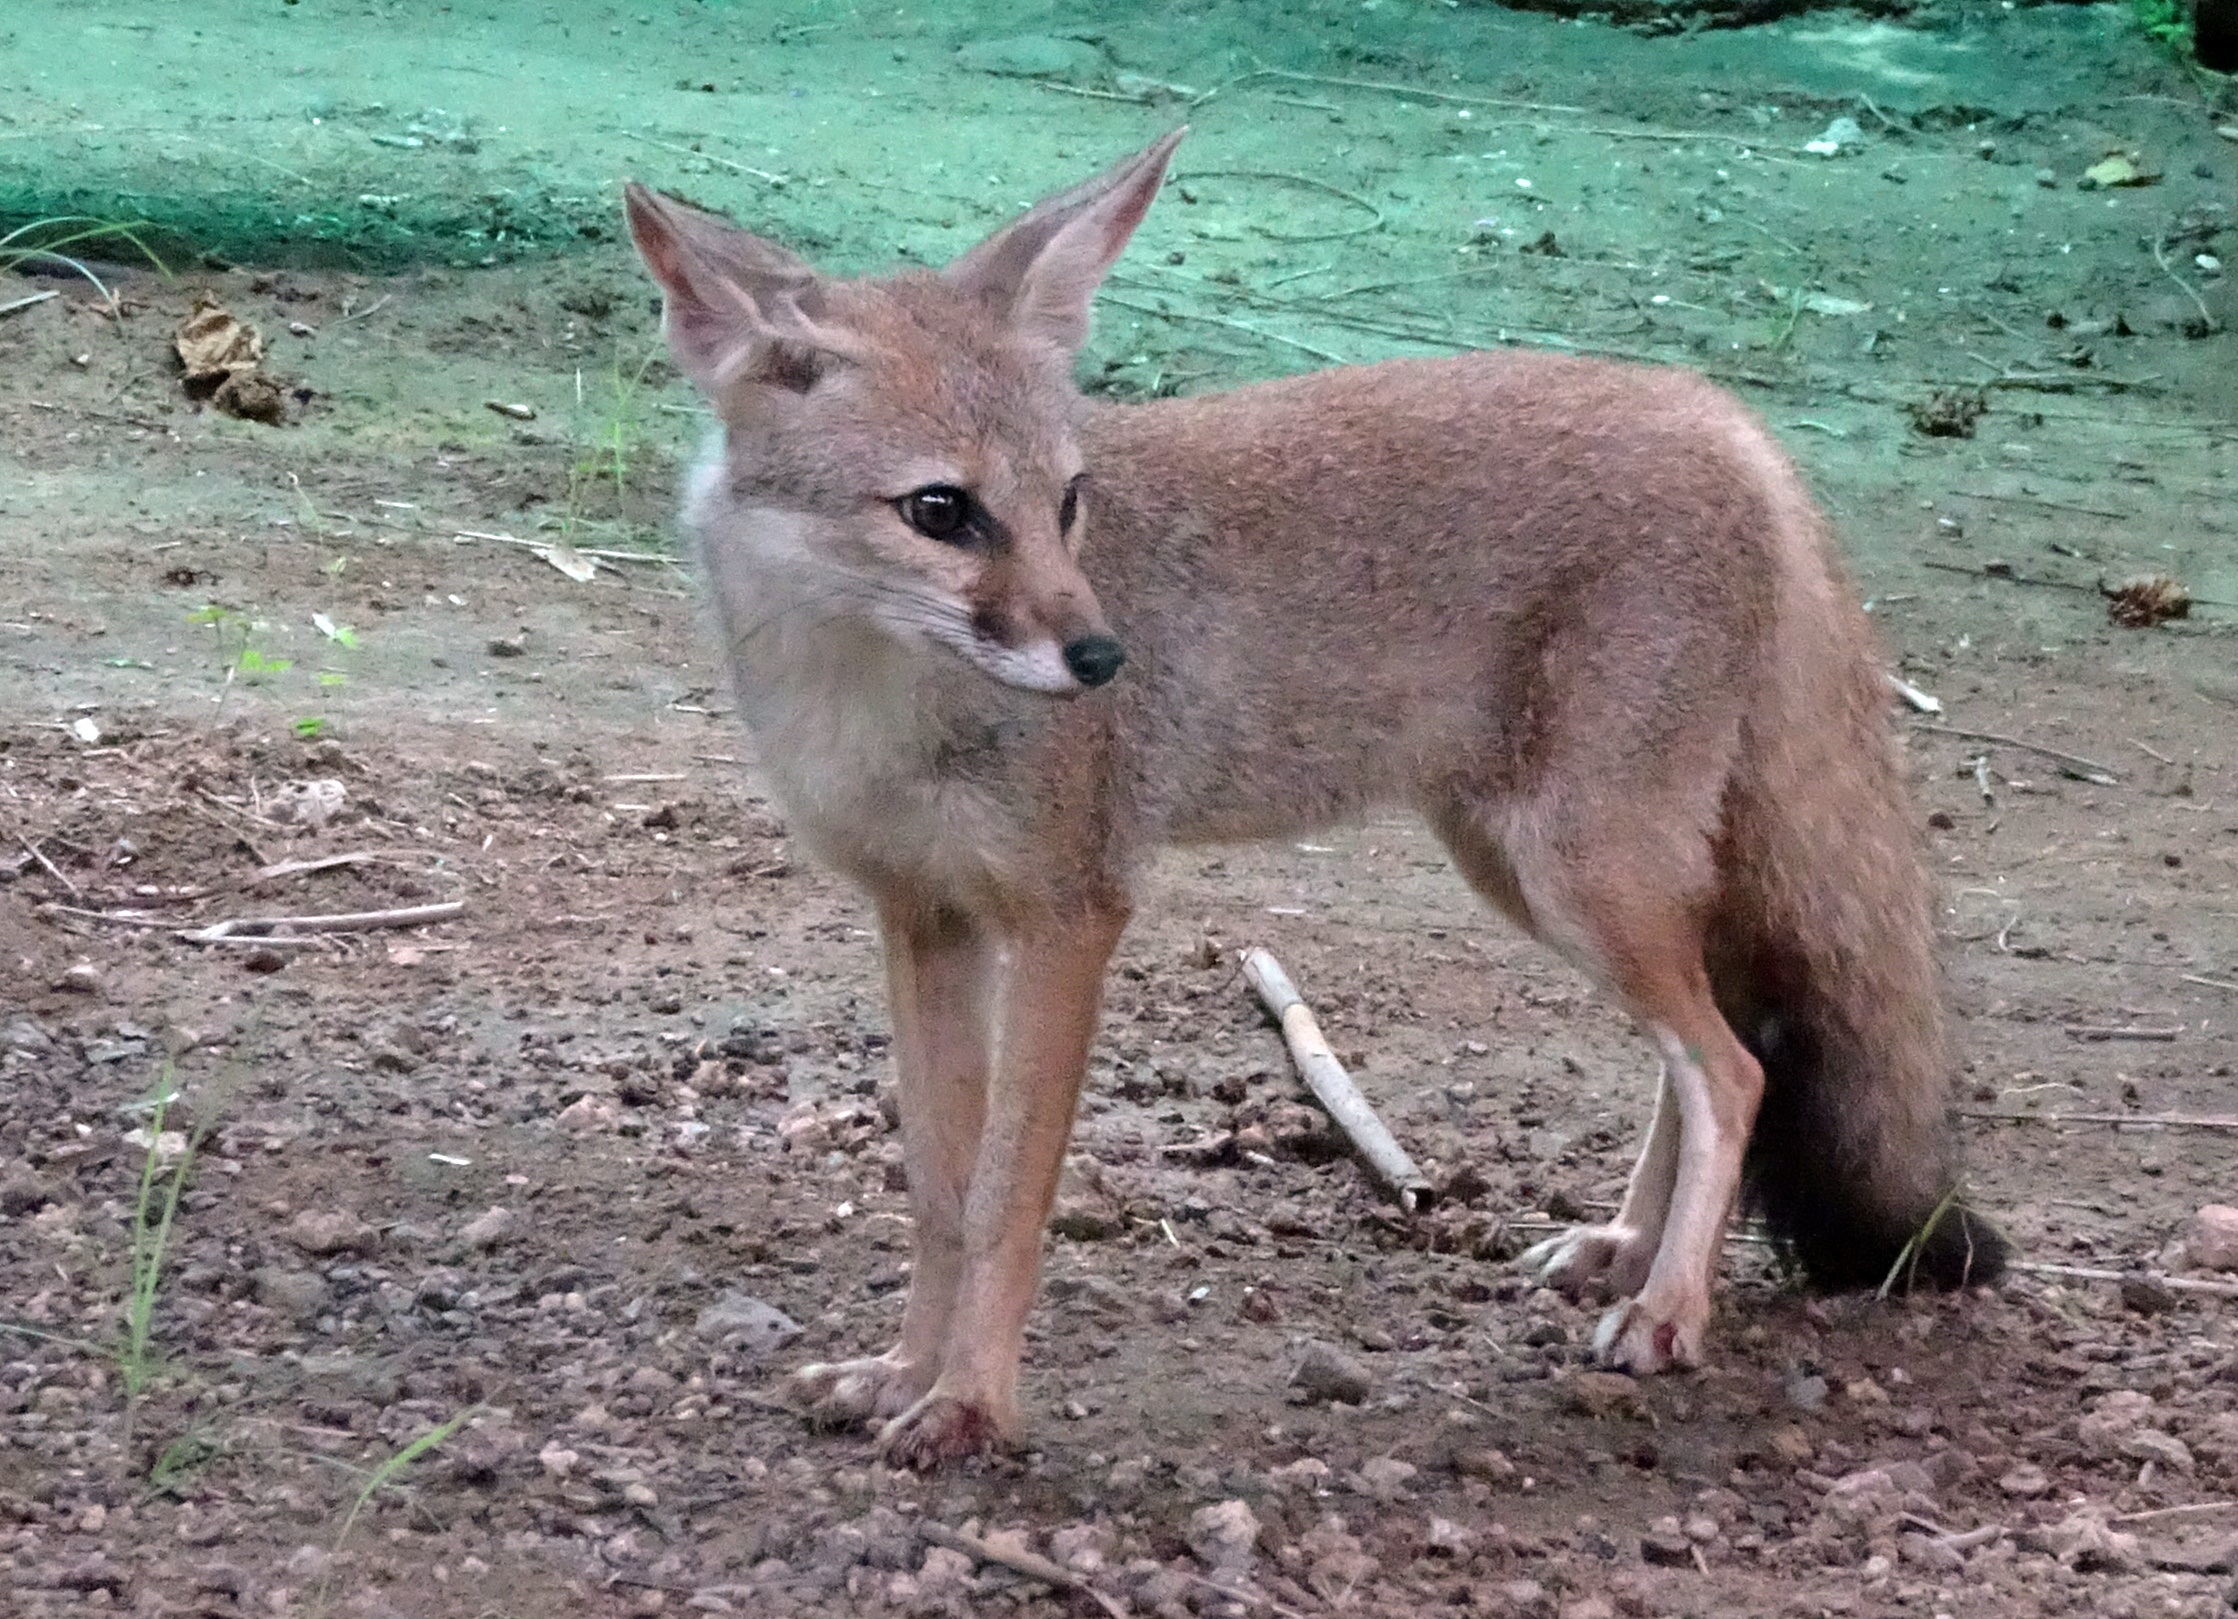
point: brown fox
(996, 643)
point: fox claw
(849, 1393)
(940, 1428)
(1638, 1339)
(1610, 1261)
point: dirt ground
(568, 1177)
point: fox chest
(882, 785)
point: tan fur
(1582, 616)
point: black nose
(1094, 659)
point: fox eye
(939, 511)
(1069, 507)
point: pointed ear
(732, 301)
(1041, 271)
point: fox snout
(1094, 659)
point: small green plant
(384, 1474)
(182, 1458)
(309, 728)
(605, 469)
(153, 1212)
(45, 240)
(2167, 23)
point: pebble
(296, 1294)
(2211, 1241)
(1327, 1374)
(1033, 56)
(487, 1230)
(1386, 1478)
(1224, 1536)
(2151, 1445)
(2023, 1480)
(82, 979)
(746, 1324)
(331, 1231)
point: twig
(1319, 1067)
(52, 869)
(2211, 983)
(1222, 320)
(2012, 578)
(2149, 750)
(1031, 1565)
(778, 181)
(303, 868)
(267, 928)
(2194, 1509)
(2092, 1273)
(2038, 500)
(2167, 1121)
(2093, 771)
(1375, 223)
(27, 301)
(1250, 1599)
(1387, 89)
(2126, 1031)
(2206, 315)
(127, 919)
(1923, 702)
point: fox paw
(941, 1428)
(1637, 1337)
(1610, 1261)
(848, 1393)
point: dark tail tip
(1827, 1201)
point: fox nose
(1094, 659)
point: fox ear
(732, 301)
(1041, 271)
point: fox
(997, 642)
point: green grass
(47, 239)
(2167, 23)
(154, 1212)
(383, 1475)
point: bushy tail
(1824, 961)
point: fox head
(905, 444)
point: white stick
(1319, 1068)
(265, 927)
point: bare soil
(655, 1040)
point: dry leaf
(571, 562)
(2148, 599)
(213, 345)
(2118, 170)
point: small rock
(1083, 1547)
(1930, 1552)
(1665, 1545)
(2151, 1445)
(1867, 1498)
(1386, 1478)
(1033, 56)
(557, 1460)
(83, 979)
(2211, 1241)
(1448, 1539)
(1327, 1374)
(1806, 1391)
(1792, 1445)
(264, 959)
(1305, 1475)
(2024, 1480)
(1085, 1209)
(2210, 1557)
(296, 1294)
(2113, 1417)
(1521, 1599)
(22, 1192)
(1589, 1607)
(1603, 1394)
(746, 1324)
(487, 1230)
(331, 1231)
(588, 1113)
(2147, 1296)
(1484, 1462)
(1224, 1536)
(2082, 1541)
